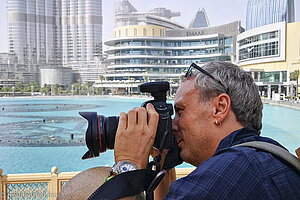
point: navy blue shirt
(239, 173)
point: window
(155, 53)
(228, 41)
(144, 32)
(135, 32)
(137, 43)
(172, 44)
(261, 50)
(270, 76)
(155, 43)
(255, 38)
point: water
(16, 123)
(282, 124)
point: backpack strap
(275, 150)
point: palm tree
(295, 75)
(101, 77)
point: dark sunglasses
(190, 72)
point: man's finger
(152, 117)
(122, 121)
(132, 116)
(142, 116)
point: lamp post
(13, 91)
(31, 90)
(72, 90)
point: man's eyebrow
(178, 105)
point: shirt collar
(237, 137)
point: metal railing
(44, 186)
(288, 103)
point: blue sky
(218, 11)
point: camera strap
(135, 182)
(126, 184)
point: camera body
(101, 131)
(164, 136)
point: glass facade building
(161, 58)
(81, 31)
(149, 46)
(32, 34)
(136, 59)
(270, 54)
(266, 47)
(60, 32)
(262, 44)
(200, 20)
(263, 12)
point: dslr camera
(101, 131)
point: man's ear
(222, 104)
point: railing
(43, 186)
(182, 172)
(33, 186)
(289, 103)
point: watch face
(126, 167)
(123, 166)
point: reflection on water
(45, 123)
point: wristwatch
(123, 166)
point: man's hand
(135, 135)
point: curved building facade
(262, 44)
(153, 53)
(271, 53)
(62, 76)
(264, 12)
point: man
(217, 107)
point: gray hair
(239, 85)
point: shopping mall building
(140, 53)
(271, 53)
(149, 46)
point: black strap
(135, 182)
(126, 184)
(274, 150)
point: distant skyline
(218, 12)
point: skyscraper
(200, 20)
(60, 32)
(263, 12)
(32, 31)
(81, 31)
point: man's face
(192, 124)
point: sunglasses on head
(191, 72)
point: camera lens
(100, 134)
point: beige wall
(121, 31)
(293, 46)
